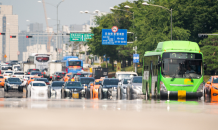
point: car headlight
(67, 90)
(134, 87)
(215, 87)
(162, 86)
(83, 91)
(9, 84)
(200, 88)
(104, 90)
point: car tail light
(0, 72)
(62, 73)
(42, 73)
(78, 74)
(34, 69)
(28, 72)
(50, 76)
(82, 68)
(54, 75)
(6, 63)
(47, 83)
(58, 76)
(14, 76)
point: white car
(7, 74)
(16, 68)
(125, 74)
(18, 74)
(37, 90)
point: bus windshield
(182, 65)
(42, 59)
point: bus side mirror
(205, 66)
(159, 63)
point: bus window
(42, 59)
(74, 63)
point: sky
(69, 11)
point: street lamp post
(145, 3)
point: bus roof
(67, 57)
(169, 46)
(34, 54)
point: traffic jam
(42, 78)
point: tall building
(9, 26)
(36, 27)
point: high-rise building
(9, 26)
(36, 27)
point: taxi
(94, 88)
(2, 80)
(67, 77)
(211, 87)
(32, 79)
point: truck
(54, 67)
(26, 66)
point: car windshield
(36, 73)
(19, 73)
(6, 68)
(137, 80)
(41, 79)
(111, 82)
(121, 76)
(73, 84)
(172, 67)
(215, 80)
(125, 81)
(39, 84)
(18, 67)
(86, 80)
(61, 74)
(1, 77)
(8, 72)
(98, 82)
(57, 84)
(14, 80)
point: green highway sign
(79, 37)
(87, 36)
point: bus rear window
(42, 59)
(74, 63)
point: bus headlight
(200, 88)
(162, 86)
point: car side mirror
(205, 66)
(62, 86)
(128, 82)
(208, 82)
(119, 83)
(159, 63)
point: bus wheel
(99, 94)
(128, 94)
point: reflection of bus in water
(41, 60)
(73, 64)
(174, 70)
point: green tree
(210, 53)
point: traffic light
(2, 33)
(12, 36)
(202, 35)
(29, 36)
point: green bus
(173, 70)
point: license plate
(181, 94)
(75, 95)
(41, 94)
(15, 87)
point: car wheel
(91, 93)
(6, 89)
(128, 94)
(49, 93)
(62, 95)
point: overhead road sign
(135, 58)
(80, 37)
(111, 38)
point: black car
(42, 79)
(13, 84)
(55, 88)
(85, 82)
(38, 73)
(72, 90)
(108, 88)
(58, 76)
(30, 70)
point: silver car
(122, 87)
(134, 88)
